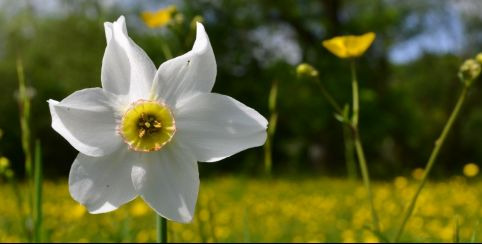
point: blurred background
(408, 78)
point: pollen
(147, 126)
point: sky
(443, 34)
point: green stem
(24, 112)
(366, 179)
(268, 151)
(24, 102)
(433, 156)
(328, 97)
(38, 193)
(350, 163)
(349, 153)
(354, 84)
(272, 100)
(267, 157)
(359, 148)
(166, 50)
(161, 229)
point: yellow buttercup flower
(4, 165)
(349, 46)
(418, 173)
(159, 18)
(471, 170)
(139, 209)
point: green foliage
(403, 106)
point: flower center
(147, 126)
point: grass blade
(38, 193)
(474, 233)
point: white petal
(102, 184)
(215, 126)
(87, 121)
(188, 74)
(126, 68)
(168, 180)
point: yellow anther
(157, 124)
(142, 132)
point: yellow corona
(147, 126)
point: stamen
(157, 124)
(147, 126)
(142, 132)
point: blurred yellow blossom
(159, 18)
(369, 237)
(400, 182)
(471, 170)
(478, 58)
(349, 46)
(418, 173)
(139, 209)
(4, 164)
(77, 212)
(348, 236)
(142, 236)
(279, 219)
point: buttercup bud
(478, 58)
(179, 18)
(4, 164)
(469, 71)
(306, 70)
(197, 18)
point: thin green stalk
(24, 102)
(456, 236)
(166, 50)
(268, 151)
(272, 100)
(24, 112)
(350, 163)
(433, 156)
(212, 221)
(474, 232)
(354, 85)
(328, 97)
(349, 153)
(267, 156)
(38, 193)
(359, 148)
(161, 229)
(366, 179)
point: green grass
(234, 209)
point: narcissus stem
(161, 229)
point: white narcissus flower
(143, 132)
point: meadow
(236, 209)
(332, 123)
